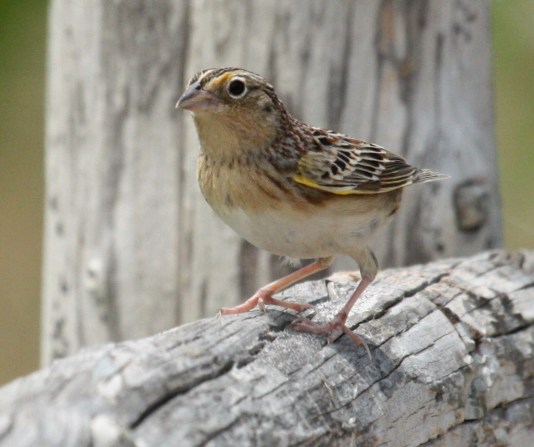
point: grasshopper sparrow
(290, 188)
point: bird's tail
(426, 175)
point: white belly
(298, 235)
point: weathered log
(452, 345)
(129, 241)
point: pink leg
(336, 326)
(264, 295)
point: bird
(295, 190)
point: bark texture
(130, 246)
(452, 346)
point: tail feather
(426, 175)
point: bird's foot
(334, 328)
(262, 298)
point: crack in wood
(475, 425)
(217, 433)
(171, 394)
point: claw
(260, 299)
(334, 329)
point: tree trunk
(130, 245)
(452, 345)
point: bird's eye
(237, 88)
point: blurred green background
(22, 62)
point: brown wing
(343, 165)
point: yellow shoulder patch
(307, 182)
(338, 191)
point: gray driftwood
(452, 345)
(130, 246)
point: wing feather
(343, 165)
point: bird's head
(230, 104)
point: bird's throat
(226, 136)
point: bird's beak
(195, 99)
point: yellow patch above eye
(219, 82)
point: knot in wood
(471, 205)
